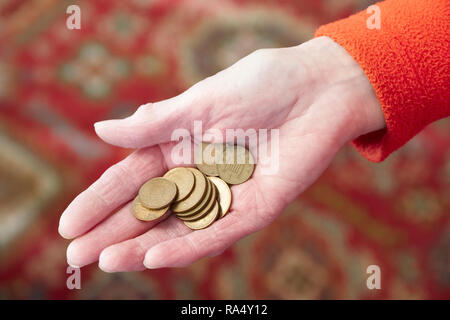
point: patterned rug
(55, 83)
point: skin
(314, 93)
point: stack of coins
(198, 197)
(236, 165)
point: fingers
(182, 251)
(129, 255)
(154, 123)
(115, 187)
(120, 226)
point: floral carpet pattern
(55, 83)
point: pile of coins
(196, 196)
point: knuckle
(106, 189)
(120, 170)
(261, 51)
(143, 109)
(193, 246)
(218, 239)
(264, 60)
(264, 54)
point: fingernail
(98, 124)
(103, 268)
(150, 265)
(101, 261)
(61, 232)
(100, 127)
(150, 262)
(73, 266)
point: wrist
(336, 70)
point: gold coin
(238, 165)
(209, 205)
(157, 193)
(145, 214)
(206, 220)
(224, 196)
(207, 163)
(201, 204)
(184, 179)
(196, 195)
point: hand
(315, 94)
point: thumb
(153, 123)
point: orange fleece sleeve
(407, 62)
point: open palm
(315, 94)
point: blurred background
(55, 83)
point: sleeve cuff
(407, 62)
